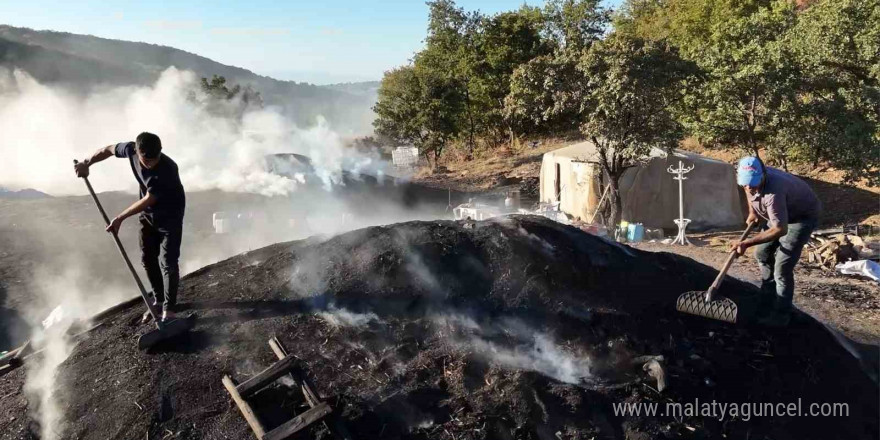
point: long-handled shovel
(704, 303)
(164, 330)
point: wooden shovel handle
(711, 292)
(122, 252)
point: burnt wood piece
(245, 408)
(334, 422)
(265, 377)
(299, 423)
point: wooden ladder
(319, 411)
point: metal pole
(680, 192)
(682, 222)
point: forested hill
(81, 62)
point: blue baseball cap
(749, 171)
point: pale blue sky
(315, 41)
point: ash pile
(515, 328)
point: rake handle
(134, 274)
(717, 283)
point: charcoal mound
(519, 328)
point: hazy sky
(304, 40)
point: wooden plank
(265, 377)
(245, 408)
(308, 391)
(334, 423)
(299, 423)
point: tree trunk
(471, 142)
(615, 202)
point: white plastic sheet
(866, 268)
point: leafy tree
(218, 89)
(631, 86)
(220, 99)
(836, 45)
(546, 92)
(748, 75)
(417, 107)
(451, 52)
(574, 24)
(506, 41)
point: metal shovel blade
(720, 308)
(166, 331)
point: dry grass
(490, 168)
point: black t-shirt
(162, 181)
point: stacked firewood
(830, 251)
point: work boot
(147, 317)
(168, 315)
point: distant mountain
(28, 193)
(366, 88)
(83, 62)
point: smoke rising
(77, 297)
(512, 344)
(42, 128)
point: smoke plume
(512, 344)
(43, 128)
(77, 297)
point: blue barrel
(635, 232)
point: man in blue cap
(791, 210)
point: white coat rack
(682, 222)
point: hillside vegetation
(83, 62)
(797, 83)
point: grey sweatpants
(777, 260)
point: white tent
(573, 177)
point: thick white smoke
(77, 297)
(43, 128)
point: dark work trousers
(777, 260)
(160, 252)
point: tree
(506, 41)
(451, 52)
(220, 99)
(748, 77)
(631, 86)
(417, 107)
(546, 92)
(834, 118)
(575, 24)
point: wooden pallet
(319, 411)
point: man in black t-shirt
(161, 206)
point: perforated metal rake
(704, 303)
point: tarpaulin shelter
(573, 177)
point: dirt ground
(848, 303)
(507, 170)
(520, 328)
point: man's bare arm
(763, 237)
(82, 168)
(135, 208)
(767, 236)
